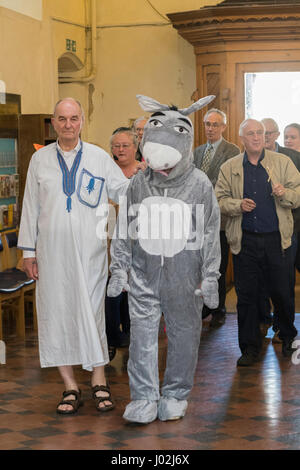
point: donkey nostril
(166, 165)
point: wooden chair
(12, 262)
(29, 295)
(11, 254)
(11, 296)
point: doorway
(275, 95)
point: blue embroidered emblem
(91, 186)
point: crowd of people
(258, 192)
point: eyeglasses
(212, 124)
(267, 133)
(118, 146)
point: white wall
(33, 8)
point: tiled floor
(253, 408)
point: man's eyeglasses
(270, 132)
(212, 124)
(118, 146)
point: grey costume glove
(117, 282)
(210, 293)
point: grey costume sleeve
(211, 251)
(120, 250)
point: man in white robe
(66, 183)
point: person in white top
(67, 182)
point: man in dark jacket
(271, 135)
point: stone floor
(230, 408)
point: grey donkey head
(167, 142)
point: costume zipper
(162, 256)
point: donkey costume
(172, 249)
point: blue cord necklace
(69, 177)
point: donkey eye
(181, 130)
(155, 123)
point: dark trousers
(222, 279)
(261, 257)
(117, 315)
(264, 302)
(294, 248)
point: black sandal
(74, 403)
(98, 400)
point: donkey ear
(197, 105)
(151, 105)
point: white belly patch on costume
(164, 225)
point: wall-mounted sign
(70, 45)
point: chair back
(11, 254)
(2, 256)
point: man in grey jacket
(208, 158)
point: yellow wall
(26, 60)
(150, 60)
(29, 49)
(68, 20)
(73, 11)
(124, 11)
(137, 51)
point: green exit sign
(70, 45)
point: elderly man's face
(271, 135)
(214, 127)
(139, 129)
(67, 122)
(292, 138)
(124, 149)
(253, 137)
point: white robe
(72, 260)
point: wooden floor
(230, 408)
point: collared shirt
(69, 155)
(262, 219)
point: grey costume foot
(170, 408)
(141, 411)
